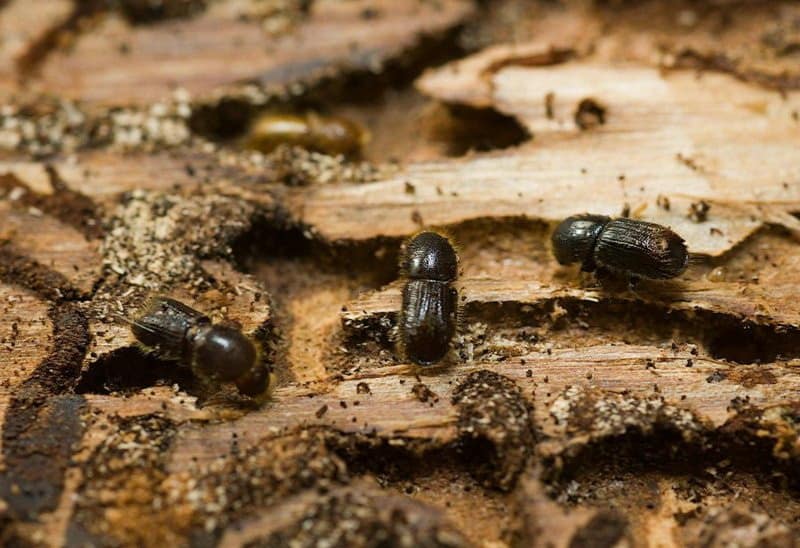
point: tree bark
(571, 410)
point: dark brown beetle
(326, 134)
(636, 248)
(429, 312)
(215, 353)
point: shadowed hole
(223, 121)
(467, 129)
(746, 343)
(416, 461)
(276, 245)
(129, 369)
(590, 114)
(614, 468)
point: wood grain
(769, 305)
(52, 244)
(19, 28)
(657, 141)
(24, 332)
(392, 410)
(625, 399)
(120, 64)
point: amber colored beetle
(326, 134)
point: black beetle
(636, 248)
(429, 311)
(215, 353)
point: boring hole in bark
(590, 114)
(480, 456)
(414, 465)
(128, 370)
(222, 121)
(747, 344)
(467, 129)
(607, 469)
(272, 244)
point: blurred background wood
(571, 410)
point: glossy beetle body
(429, 311)
(637, 248)
(215, 353)
(326, 134)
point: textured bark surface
(571, 410)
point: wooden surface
(667, 134)
(226, 45)
(571, 410)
